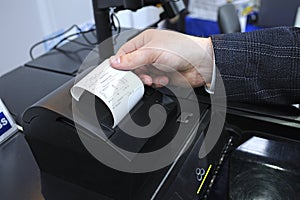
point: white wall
(23, 23)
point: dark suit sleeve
(260, 66)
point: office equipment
(65, 59)
(51, 129)
(50, 124)
(265, 168)
(24, 86)
(102, 17)
(274, 13)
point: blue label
(4, 124)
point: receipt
(119, 90)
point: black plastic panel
(24, 86)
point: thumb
(133, 60)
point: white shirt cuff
(211, 88)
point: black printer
(57, 145)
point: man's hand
(157, 56)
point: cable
(80, 32)
(119, 24)
(74, 34)
(58, 35)
(93, 28)
(51, 38)
(112, 17)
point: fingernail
(163, 81)
(115, 60)
(146, 80)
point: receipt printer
(62, 136)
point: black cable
(85, 38)
(74, 34)
(58, 35)
(80, 32)
(94, 32)
(119, 24)
(113, 15)
(112, 22)
(51, 38)
(85, 48)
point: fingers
(157, 81)
(174, 64)
(134, 53)
(134, 59)
(160, 81)
(152, 76)
(147, 80)
(175, 79)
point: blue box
(206, 28)
(201, 27)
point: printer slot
(138, 115)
